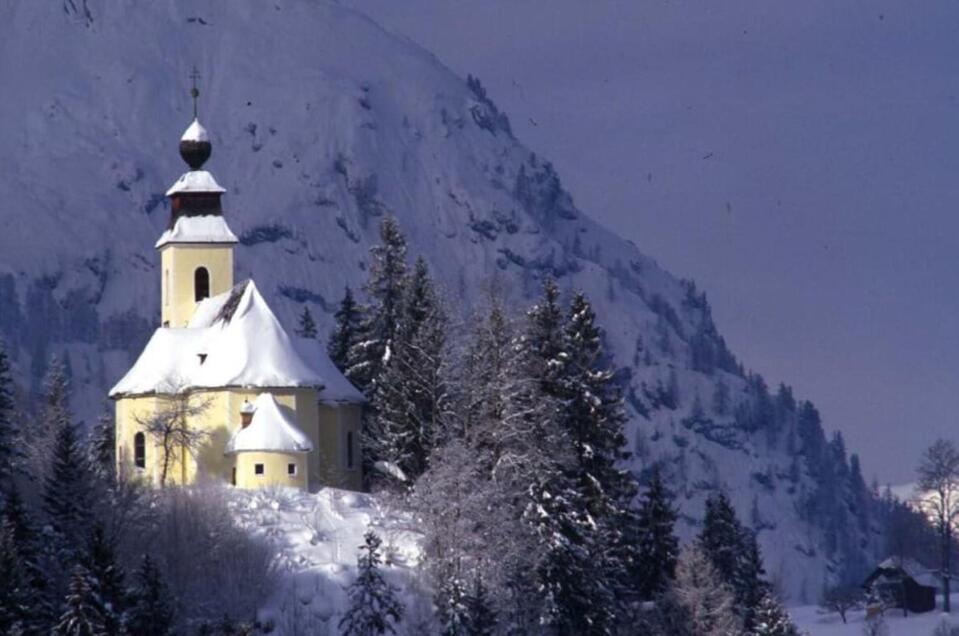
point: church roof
(195, 132)
(195, 181)
(233, 340)
(209, 228)
(270, 429)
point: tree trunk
(946, 572)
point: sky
(798, 160)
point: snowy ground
(816, 622)
(316, 537)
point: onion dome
(195, 146)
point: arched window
(349, 449)
(201, 284)
(140, 450)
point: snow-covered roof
(242, 342)
(920, 573)
(195, 132)
(336, 388)
(195, 181)
(209, 228)
(270, 429)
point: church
(222, 391)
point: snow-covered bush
(214, 567)
(946, 628)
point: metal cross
(194, 92)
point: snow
(195, 181)
(815, 621)
(271, 429)
(315, 538)
(247, 348)
(359, 123)
(209, 228)
(195, 132)
(336, 388)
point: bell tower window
(139, 451)
(201, 284)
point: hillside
(322, 123)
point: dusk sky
(798, 160)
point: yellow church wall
(178, 263)
(327, 426)
(336, 423)
(275, 469)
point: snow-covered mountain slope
(321, 123)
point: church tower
(196, 250)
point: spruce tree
(411, 402)
(751, 587)
(81, 617)
(151, 607)
(771, 619)
(734, 552)
(25, 541)
(454, 611)
(385, 289)
(106, 581)
(374, 608)
(16, 591)
(67, 499)
(483, 382)
(306, 327)
(658, 548)
(576, 595)
(9, 432)
(344, 334)
(721, 538)
(102, 447)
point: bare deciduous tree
(169, 427)
(841, 599)
(939, 487)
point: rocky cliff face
(321, 123)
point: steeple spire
(195, 147)
(194, 91)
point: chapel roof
(232, 340)
(271, 429)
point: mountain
(321, 123)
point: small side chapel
(221, 390)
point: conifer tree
(344, 335)
(374, 608)
(16, 593)
(772, 620)
(751, 587)
(410, 404)
(705, 602)
(81, 617)
(151, 607)
(482, 618)
(25, 546)
(67, 499)
(102, 447)
(658, 548)
(576, 596)
(483, 381)
(9, 432)
(543, 339)
(385, 289)
(106, 581)
(734, 552)
(306, 327)
(591, 407)
(721, 538)
(454, 611)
